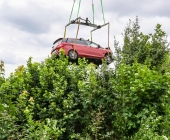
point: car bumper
(55, 53)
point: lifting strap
(76, 35)
(93, 10)
(108, 35)
(78, 9)
(99, 28)
(102, 11)
(72, 10)
(70, 17)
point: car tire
(108, 58)
(72, 54)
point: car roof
(73, 38)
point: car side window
(82, 42)
(92, 44)
(64, 40)
(88, 43)
(70, 40)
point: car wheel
(108, 58)
(72, 54)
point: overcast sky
(28, 28)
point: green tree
(2, 72)
(151, 49)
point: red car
(80, 48)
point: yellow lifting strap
(76, 36)
(65, 32)
(101, 27)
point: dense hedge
(58, 100)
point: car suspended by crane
(76, 48)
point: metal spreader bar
(85, 22)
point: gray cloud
(139, 8)
(33, 18)
(30, 28)
(10, 58)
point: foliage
(149, 129)
(138, 91)
(151, 49)
(58, 100)
(2, 72)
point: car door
(96, 51)
(82, 48)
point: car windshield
(58, 42)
